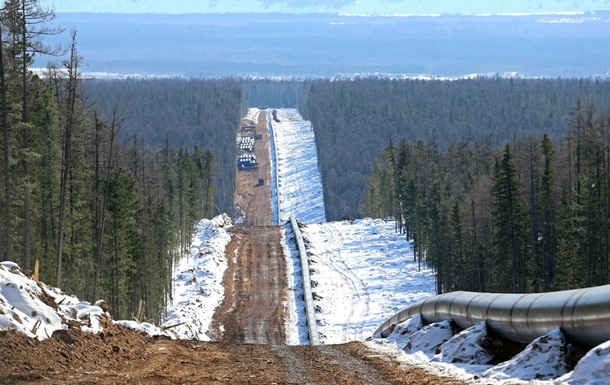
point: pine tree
(511, 235)
(548, 205)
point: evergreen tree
(511, 235)
(548, 204)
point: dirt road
(253, 309)
(253, 201)
(121, 356)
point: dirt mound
(121, 356)
(26, 359)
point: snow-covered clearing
(353, 264)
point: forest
(182, 112)
(501, 183)
(104, 210)
(529, 215)
(354, 120)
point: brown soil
(253, 310)
(121, 356)
(249, 325)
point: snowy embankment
(299, 184)
(469, 355)
(38, 310)
(198, 288)
(362, 272)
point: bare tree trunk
(537, 273)
(27, 247)
(7, 179)
(117, 120)
(67, 151)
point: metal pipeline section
(275, 197)
(310, 312)
(582, 314)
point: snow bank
(403, 331)
(466, 347)
(252, 115)
(592, 369)
(29, 307)
(299, 181)
(430, 338)
(362, 272)
(543, 359)
(37, 310)
(198, 288)
(542, 362)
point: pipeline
(310, 312)
(582, 314)
(275, 197)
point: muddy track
(252, 200)
(254, 307)
(121, 356)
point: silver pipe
(310, 312)
(582, 314)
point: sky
(369, 7)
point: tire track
(360, 299)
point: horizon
(562, 39)
(342, 7)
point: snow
(466, 347)
(429, 338)
(37, 310)
(197, 281)
(299, 184)
(593, 368)
(543, 359)
(403, 331)
(353, 264)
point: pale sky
(371, 7)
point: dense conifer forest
(529, 215)
(355, 119)
(182, 113)
(104, 210)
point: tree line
(184, 112)
(354, 119)
(530, 215)
(105, 213)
